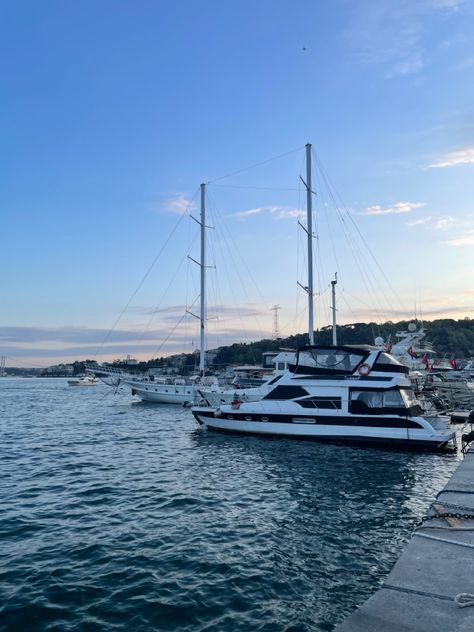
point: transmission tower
(276, 328)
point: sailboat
(334, 392)
(176, 389)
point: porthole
(264, 418)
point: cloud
(178, 205)
(419, 222)
(444, 222)
(464, 240)
(277, 212)
(392, 34)
(250, 212)
(452, 159)
(395, 209)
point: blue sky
(112, 113)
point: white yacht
(86, 380)
(336, 393)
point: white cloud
(444, 222)
(179, 205)
(451, 159)
(395, 209)
(407, 67)
(392, 34)
(250, 212)
(419, 222)
(277, 212)
(464, 240)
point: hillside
(448, 337)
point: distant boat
(87, 380)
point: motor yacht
(338, 393)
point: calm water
(116, 515)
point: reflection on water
(119, 515)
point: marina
(237, 316)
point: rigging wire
(145, 276)
(253, 166)
(357, 253)
(369, 250)
(242, 259)
(239, 186)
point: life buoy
(364, 369)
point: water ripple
(119, 516)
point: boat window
(275, 379)
(286, 392)
(325, 403)
(409, 398)
(393, 399)
(281, 366)
(385, 358)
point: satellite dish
(412, 327)
(379, 341)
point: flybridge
(343, 361)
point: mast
(334, 329)
(309, 227)
(309, 232)
(202, 317)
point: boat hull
(161, 393)
(311, 428)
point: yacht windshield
(330, 360)
(409, 398)
(385, 358)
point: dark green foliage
(449, 338)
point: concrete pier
(434, 576)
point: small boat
(86, 380)
(336, 393)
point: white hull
(310, 428)
(82, 382)
(161, 393)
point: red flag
(425, 360)
(453, 363)
(410, 352)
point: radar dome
(412, 327)
(378, 341)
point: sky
(112, 113)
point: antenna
(276, 328)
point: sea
(124, 516)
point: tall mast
(202, 317)
(334, 329)
(309, 230)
